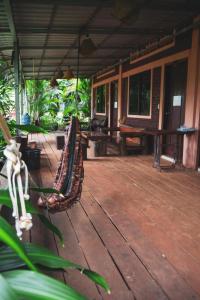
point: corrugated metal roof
(47, 31)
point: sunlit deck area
(136, 226)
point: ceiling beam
(10, 18)
(75, 30)
(188, 6)
(74, 58)
(39, 47)
(51, 20)
(64, 66)
(12, 27)
(98, 7)
(64, 48)
(52, 72)
(66, 2)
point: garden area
(48, 104)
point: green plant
(77, 99)
(6, 89)
(50, 107)
(16, 282)
(6, 201)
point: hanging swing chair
(70, 173)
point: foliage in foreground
(18, 282)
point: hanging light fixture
(126, 11)
(87, 46)
(68, 74)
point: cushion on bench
(131, 141)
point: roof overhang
(47, 31)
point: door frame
(162, 102)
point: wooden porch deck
(137, 227)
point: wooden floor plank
(72, 250)
(97, 255)
(149, 194)
(135, 225)
(127, 261)
(119, 201)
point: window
(100, 99)
(139, 94)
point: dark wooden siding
(183, 42)
(106, 76)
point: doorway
(174, 110)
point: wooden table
(158, 135)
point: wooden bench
(136, 143)
(131, 139)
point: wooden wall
(187, 46)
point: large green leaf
(35, 286)
(51, 227)
(9, 237)
(7, 292)
(38, 255)
(30, 128)
(5, 200)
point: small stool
(60, 142)
(84, 150)
(99, 148)
(32, 158)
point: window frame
(149, 116)
(100, 113)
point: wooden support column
(92, 99)
(16, 73)
(119, 115)
(26, 106)
(109, 104)
(192, 105)
(21, 95)
(162, 93)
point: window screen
(100, 99)
(139, 94)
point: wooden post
(119, 95)
(162, 93)
(92, 99)
(22, 94)
(192, 105)
(16, 73)
(109, 105)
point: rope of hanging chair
(17, 184)
(70, 173)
